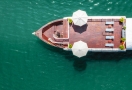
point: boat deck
(93, 33)
(60, 26)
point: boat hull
(47, 33)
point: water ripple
(96, 4)
(91, 1)
(26, 63)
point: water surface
(26, 63)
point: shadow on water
(109, 56)
(80, 64)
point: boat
(100, 33)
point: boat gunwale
(39, 32)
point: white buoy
(33, 33)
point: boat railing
(55, 42)
(103, 20)
(60, 39)
(106, 50)
(66, 26)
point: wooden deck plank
(65, 31)
(93, 34)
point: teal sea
(26, 63)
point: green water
(26, 63)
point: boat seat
(109, 45)
(123, 33)
(109, 29)
(109, 37)
(109, 22)
(107, 33)
(51, 40)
